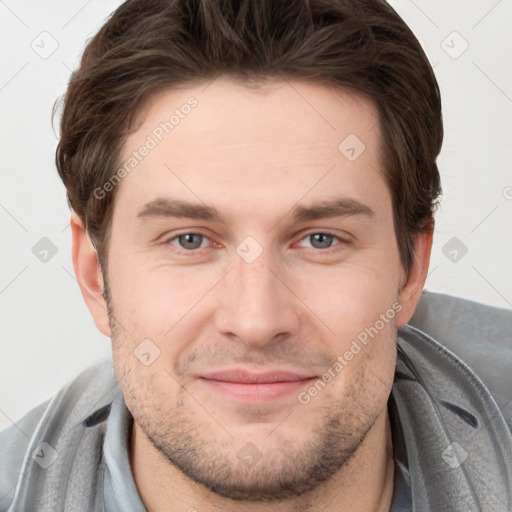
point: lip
(241, 376)
(252, 386)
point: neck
(365, 483)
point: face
(253, 280)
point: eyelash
(328, 250)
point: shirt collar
(120, 491)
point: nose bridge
(252, 261)
(255, 283)
(255, 305)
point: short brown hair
(148, 46)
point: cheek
(152, 302)
(352, 299)
(358, 309)
(363, 369)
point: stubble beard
(284, 469)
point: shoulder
(77, 402)
(479, 334)
(13, 446)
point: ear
(88, 273)
(411, 291)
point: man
(253, 187)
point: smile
(258, 387)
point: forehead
(278, 141)
(228, 111)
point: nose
(255, 304)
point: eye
(193, 241)
(188, 241)
(320, 240)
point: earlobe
(89, 275)
(411, 291)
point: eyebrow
(339, 207)
(176, 208)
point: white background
(46, 333)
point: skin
(255, 155)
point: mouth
(255, 387)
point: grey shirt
(451, 441)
